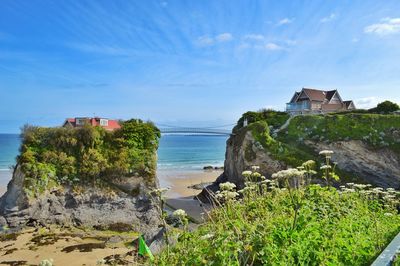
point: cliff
(366, 146)
(85, 177)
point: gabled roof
(315, 95)
(295, 96)
(348, 103)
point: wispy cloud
(207, 40)
(284, 21)
(273, 46)
(254, 37)
(329, 18)
(387, 26)
(224, 37)
(367, 102)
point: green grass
(332, 228)
(373, 129)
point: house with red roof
(108, 124)
(317, 101)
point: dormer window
(103, 122)
(80, 121)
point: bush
(54, 156)
(310, 225)
(386, 107)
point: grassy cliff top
(311, 225)
(55, 156)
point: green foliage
(279, 150)
(323, 227)
(374, 129)
(54, 156)
(385, 107)
(273, 118)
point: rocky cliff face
(379, 167)
(101, 208)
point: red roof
(108, 124)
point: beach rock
(101, 208)
(209, 167)
(3, 222)
(200, 186)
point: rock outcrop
(379, 167)
(101, 208)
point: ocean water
(9, 145)
(176, 152)
(190, 152)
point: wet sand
(76, 247)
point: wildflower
(46, 262)
(207, 236)
(179, 213)
(255, 167)
(159, 191)
(289, 173)
(326, 152)
(324, 167)
(360, 186)
(310, 164)
(255, 175)
(227, 186)
(246, 174)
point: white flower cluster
(159, 191)
(179, 213)
(227, 195)
(247, 174)
(289, 173)
(46, 262)
(227, 186)
(326, 152)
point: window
(80, 121)
(103, 122)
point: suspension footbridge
(196, 130)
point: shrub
(54, 156)
(310, 225)
(385, 107)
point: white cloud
(273, 46)
(284, 21)
(205, 41)
(254, 37)
(387, 26)
(329, 18)
(208, 41)
(367, 102)
(224, 37)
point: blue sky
(189, 62)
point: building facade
(105, 123)
(317, 101)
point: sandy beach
(5, 177)
(179, 181)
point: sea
(175, 153)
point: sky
(189, 63)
